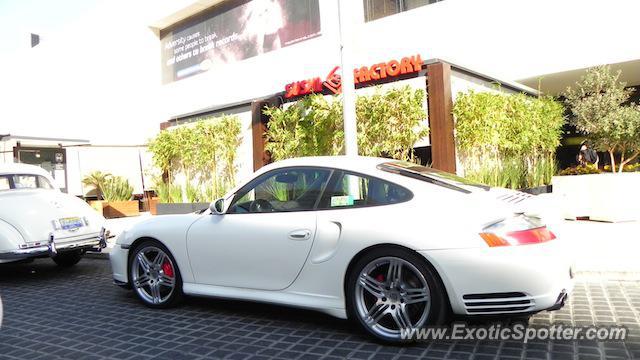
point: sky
(19, 18)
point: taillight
(522, 237)
(518, 230)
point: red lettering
(290, 90)
(373, 72)
(333, 82)
(406, 66)
(417, 62)
(393, 68)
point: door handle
(300, 235)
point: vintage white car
(389, 244)
(38, 220)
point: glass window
(376, 9)
(4, 183)
(25, 181)
(43, 183)
(294, 189)
(349, 190)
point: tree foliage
(389, 124)
(508, 140)
(96, 179)
(598, 104)
(204, 151)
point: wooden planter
(98, 205)
(153, 206)
(117, 209)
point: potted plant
(96, 180)
(118, 193)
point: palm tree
(96, 180)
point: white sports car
(37, 220)
(390, 244)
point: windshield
(431, 175)
(24, 181)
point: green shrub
(117, 188)
(168, 193)
(204, 151)
(508, 140)
(389, 124)
(193, 193)
(625, 168)
(581, 170)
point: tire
(383, 307)
(67, 258)
(156, 281)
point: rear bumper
(505, 280)
(53, 247)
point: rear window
(24, 181)
(432, 176)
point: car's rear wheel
(67, 258)
(154, 276)
(391, 291)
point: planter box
(150, 205)
(180, 208)
(116, 209)
(98, 205)
(544, 189)
(602, 197)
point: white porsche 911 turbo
(390, 244)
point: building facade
(121, 73)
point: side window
(294, 189)
(43, 183)
(350, 190)
(25, 181)
(4, 183)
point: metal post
(345, 22)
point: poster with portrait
(236, 31)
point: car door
(264, 238)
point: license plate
(71, 223)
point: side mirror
(217, 207)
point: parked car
(38, 220)
(389, 244)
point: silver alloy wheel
(153, 275)
(392, 295)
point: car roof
(16, 168)
(346, 162)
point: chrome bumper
(52, 249)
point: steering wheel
(260, 205)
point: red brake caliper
(380, 278)
(167, 268)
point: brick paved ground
(77, 314)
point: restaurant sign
(362, 75)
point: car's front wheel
(154, 276)
(391, 291)
(67, 258)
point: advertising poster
(234, 32)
